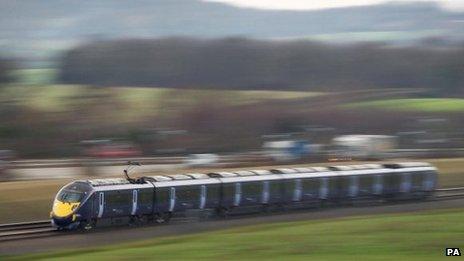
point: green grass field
(417, 236)
(58, 98)
(425, 105)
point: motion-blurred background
(227, 82)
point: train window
(70, 196)
(145, 196)
(78, 186)
(406, 182)
(344, 184)
(265, 196)
(392, 182)
(251, 189)
(74, 192)
(275, 189)
(418, 179)
(212, 193)
(187, 193)
(333, 185)
(311, 187)
(229, 191)
(163, 195)
(119, 197)
(366, 184)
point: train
(86, 204)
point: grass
(417, 236)
(425, 105)
(27, 200)
(31, 200)
(38, 89)
(133, 100)
(35, 76)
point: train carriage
(179, 193)
(87, 203)
(248, 190)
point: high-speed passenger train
(99, 202)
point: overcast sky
(453, 5)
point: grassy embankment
(424, 105)
(412, 236)
(31, 200)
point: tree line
(240, 63)
(6, 67)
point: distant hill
(38, 28)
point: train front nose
(63, 213)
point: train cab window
(74, 192)
(70, 196)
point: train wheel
(222, 212)
(163, 218)
(86, 226)
(167, 217)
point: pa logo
(453, 252)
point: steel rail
(43, 228)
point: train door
(406, 183)
(265, 192)
(172, 199)
(101, 204)
(378, 185)
(298, 190)
(354, 186)
(238, 194)
(203, 192)
(134, 202)
(429, 181)
(324, 188)
(417, 180)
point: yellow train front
(71, 205)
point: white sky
(453, 5)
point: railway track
(43, 228)
(25, 230)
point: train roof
(107, 182)
(406, 165)
(252, 175)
